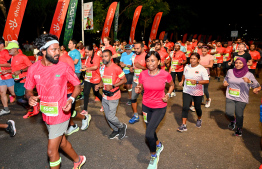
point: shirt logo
(37, 76)
(57, 75)
(197, 72)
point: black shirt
(246, 55)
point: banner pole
(83, 32)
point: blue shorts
(8, 82)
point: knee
(149, 136)
(51, 152)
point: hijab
(243, 71)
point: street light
(97, 31)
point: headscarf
(243, 71)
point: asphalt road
(211, 146)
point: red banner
(209, 38)
(59, 17)
(109, 20)
(195, 36)
(162, 35)
(14, 20)
(155, 27)
(199, 37)
(184, 38)
(134, 23)
(171, 36)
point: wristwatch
(21, 71)
(169, 95)
(113, 86)
(197, 82)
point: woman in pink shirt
(154, 101)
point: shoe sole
(13, 126)
(181, 130)
(134, 122)
(124, 134)
(83, 162)
(114, 137)
(73, 132)
(158, 154)
(5, 114)
(89, 118)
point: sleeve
(258, 56)
(30, 81)
(211, 57)
(248, 57)
(169, 78)
(78, 55)
(27, 61)
(71, 76)
(120, 73)
(184, 56)
(255, 82)
(204, 74)
(113, 50)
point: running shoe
(153, 162)
(11, 98)
(84, 112)
(192, 108)
(159, 149)
(198, 123)
(182, 128)
(97, 99)
(134, 119)
(80, 163)
(208, 103)
(238, 132)
(11, 128)
(173, 94)
(232, 125)
(128, 102)
(4, 112)
(72, 130)
(122, 132)
(32, 113)
(113, 135)
(85, 122)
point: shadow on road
(177, 110)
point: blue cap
(128, 47)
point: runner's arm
(139, 66)
(5, 65)
(76, 61)
(115, 55)
(211, 62)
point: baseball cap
(128, 47)
(12, 45)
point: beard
(51, 59)
(105, 62)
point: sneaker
(80, 163)
(128, 102)
(85, 122)
(198, 123)
(192, 108)
(182, 128)
(113, 135)
(11, 128)
(153, 162)
(97, 99)
(12, 98)
(173, 94)
(159, 149)
(32, 113)
(4, 112)
(238, 132)
(232, 125)
(134, 119)
(122, 132)
(72, 130)
(208, 103)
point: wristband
(113, 86)
(197, 82)
(169, 95)
(21, 71)
(73, 99)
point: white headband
(48, 44)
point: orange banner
(184, 38)
(14, 20)
(155, 27)
(59, 17)
(109, 20)
(199, 38)
(133, 28)
(162, 35)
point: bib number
(107, 80)
(188, 83)
(16, 77)
(88, 76)
(234, 92)
(49, 108)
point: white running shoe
(72, 130)
(3, 112)
(192, 108)
(173, 94)
(208, 103)
(85, 122)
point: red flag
(14, 19)
(184, 38)
(162, 35)
(155, 27)
(59, 17)
(133, 28)
(209, 38)
(195, 36)
(109, 20)
(171, 36)
(199, 37)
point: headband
(48, 44)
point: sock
(6, 108)
(74, 125)
(136, 114)
(78, 161)
(159, 145)
(153, 155)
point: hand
(226, 84)
(181, 83)
(17, 72)
(246, 80)
(83, 66)
(109, 87)
(165, 99)
(256, 90)
(131, 69)
(229, 63)
(129, 66)
(97, 87)
(138, 89)
(193, 82)
(179, 64)
(68, 105)
(33, 100)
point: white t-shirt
(197, 73)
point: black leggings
(206, 90)
(187, 99)
(152, 118)
(179, 76)
(87, 88)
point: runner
(54, 103)
(95, 47)
(207, 61)
(139, 64)
(107, 41)
(238, 82)
(226, 57)
(255, 55)
(241, 53)
(112, 77)
(146, 49)
(195, 76)
(197, 49)
(9, 127)
(218, 56)
(154, 101)
(189, 51)
(63, 49)
(7, 81)
(182, 48)
(126, 64)
(177, 65)
(76, 56)
(165, 59)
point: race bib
(145, 116)
(126, 68)
(188, 83)
(174, 62)
(225, 56)
(235, 58)
(215, 61)
(107, 80)
(234, 92)
(49, 108)
(15, 77)
(137, 72)
(88, 76)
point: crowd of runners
(58, 78)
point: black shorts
(219, 65)
(129, 78)
(117, 60)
